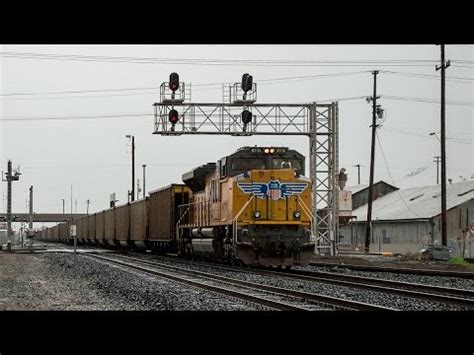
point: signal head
(174, 82)
(246, 117)
(173, 116)
(247, 81)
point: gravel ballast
(57, 281)
(360, 295)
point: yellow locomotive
(251, 207)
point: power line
(427, 100)
(22, 119)
(389, 174)
(164, 59)
(462, 61)
(80, 166)
(203, 61)
(426, 136)
(428, 76)
(76, 97)
(265, 81)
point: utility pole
(30, 222)
(132, 193)
(443, 66)
(133, 168)
(372, 161)
(88, 202)
(71, 200)
(138, 188)
(9, 178)
(144, 166)
(437, 161)
(63, 204)
(358, 173)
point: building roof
(358, 188)
(416, 203)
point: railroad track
(268, 296)
(399, 270)
(446, 295)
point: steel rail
(415, 290)
(232, 293)
(400, 270)
(333, 301)
(441, 294)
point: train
(252, 207)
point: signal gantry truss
(319, 122)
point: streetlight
(63, 205)
(132, 194)
(358, 173)
(436, 136)
(437, 158)
(144, 166)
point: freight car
(251, 207)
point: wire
(427, 100)
(22, 119)
(203, 61)
(264, 81)
(80, 166)
(389, 174)
(427, 76)
(426, 136)
(462, 61)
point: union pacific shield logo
(274, 189)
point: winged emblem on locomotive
(274, 189)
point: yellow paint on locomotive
(273, 211)
(221, 209)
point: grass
(456, 260)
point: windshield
(294, 164)
(248, 164)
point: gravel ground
(57, 281)
(375, 297)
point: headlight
(256, 214)
(297, 214)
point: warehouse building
(407, 220)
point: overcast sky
(95, 157)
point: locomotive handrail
(179, 220)
(234, 221)
(189, 204)
(189, 207)
(308, 212)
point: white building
(407, 220)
